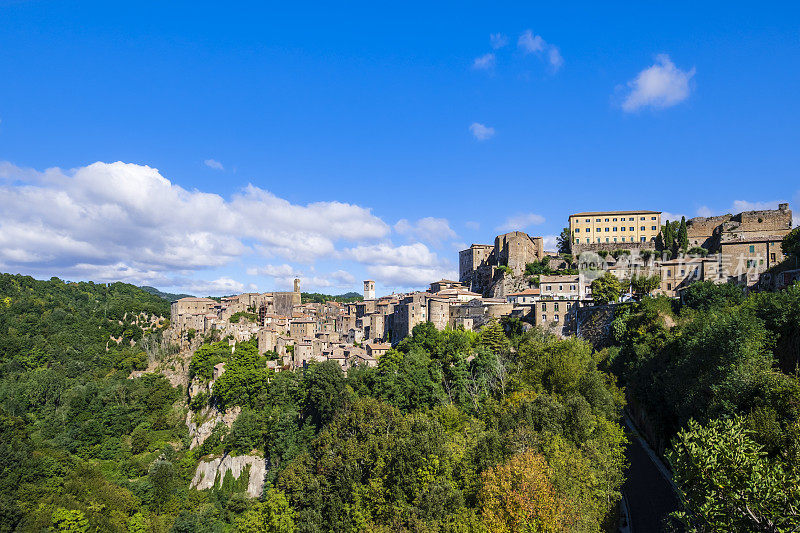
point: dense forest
(496, 430)
(713, 381)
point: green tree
(606, 289)
(682, 237)
(727, 483)
(644, 285)
(69, 521)
(791, 243)
(272, 514)
(564, 242)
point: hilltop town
(513, 278)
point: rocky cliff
(212, 472)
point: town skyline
(284, 149)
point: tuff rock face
(200, 432)
(213, 471)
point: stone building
(560, 287)
(611, 230)
(477, 265)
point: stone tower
(296, 284)
(369, 289)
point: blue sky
(344, 142)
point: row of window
(560, 287)
(633, 239)
(642, 228)
(622, 219)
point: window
(578, 230)
(683, 272)
(772, 257)
(669, 286)
(544, 306)
(615, 228)
(544, 318)
(577, 241)
(607, 239)
(606, 220)
(631, 219)
(555, 306)
(652, 218)
(555, 318)
(588, 220)
(623, 239)
(632, 228)
(644, 239)
(615, 220)
(598, 239)
(615, 239)
(642, 218)
(597, 220)
(669, 273)
(561, 287)
(653, 228)
(752, 248)
(549, 287)
(572, 287)
(642, 228)
(606, 230)
(623, 228)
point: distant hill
(170, 297)
(315, 297)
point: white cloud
(127, 222)
(218, 286)
(428, 229)
(484, 62)
(416, 254)
(481, 132)
(743, 205)
(704, 211)
(550, 243)
(554, 56)
(213, 163)
(520, 222)
(672, 217)
(498, 40)
(274, 271)
(659, 86)
(471, 224)
(407, 277)
(529, 43)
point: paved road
(649, 494)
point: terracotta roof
(526, 292)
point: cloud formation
(529, 43)
(213, 163)
(659, 86)
(429, 229)
(484, 62)
(481, 131)
(520, 222)
(121, 221)
(498, 40)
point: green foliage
(239, 315)
(564, 241)
(705, 295)
(616, 254)
(315, 297)
(644, 285)
(505, 270)
(791, 243)
(244, 378)
(698, 250)
(727, 483)
(206, 357)
(606, 289)
(72, 521)
(682, 237)
(539, 267)
(272, 514)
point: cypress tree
(683, 235)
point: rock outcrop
(213, 471)
(211, 417)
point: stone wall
(516, 249)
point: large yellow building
(604, 229)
